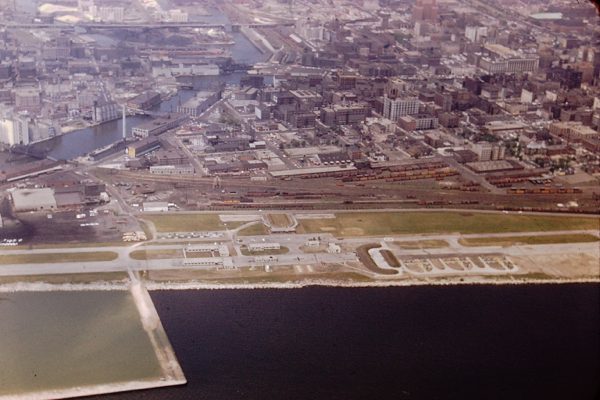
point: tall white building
(178, 16)
(14, 131)
(396, 108)
(108, 14)
(475, 33)
(85, 5)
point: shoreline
(172, 373)
(158, 286)
(92, 390)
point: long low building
(256, 247)
(137, 149)
(311, 171)
(159, 125)
(155, 206)
(207, 248)
(213, 262)
(33, 200)
(172, 170)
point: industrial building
(145, 101)
(339, 114)
(33, 200)
(505, 60)
(158, 126)
(197, 105)
(172, 170)
(155, 206)
(142, 147)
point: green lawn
(188, 222)
(513, 240)
(390, 223)
(67, 278)
(66, 245)
(57, 257)
(279, 220)
(281, 250)
(155, 254)
(254, 230)
(422, 244)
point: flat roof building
(197, 105)
(158, 125)
(256, 247)
(142, 147)
(156, 206)
(33, 199)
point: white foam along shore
(160, 342)
(195, 285)
(92, 390)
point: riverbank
(258, 41)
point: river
(439, 342)
(84, 141)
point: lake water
(60, 340)
(451, 342)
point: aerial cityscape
(149, 147)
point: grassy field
(282, 250)
(155, 254)
(253, 230)
(66, 245)
(57, 257)
(189, 222)
(279, 220)
(67, 278)
(390, 258)
(513, 240)
(422, 244)
(390, 223)
(365, 258)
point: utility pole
(124, 123)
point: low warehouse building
(156, 206)
(263, 246)
(33, 199)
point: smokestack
(124, 123)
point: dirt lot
(515, 240)
(561, 265)
(64, 227)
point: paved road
(124, 263)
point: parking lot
(458, 265)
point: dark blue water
(460, 342)
(83, 141)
